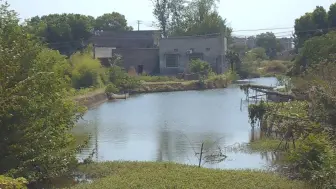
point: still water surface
(171, 127)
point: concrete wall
(148, 57)
(211, 47)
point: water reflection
(172, 127)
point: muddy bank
(92, 100)
(95, 99)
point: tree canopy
(314, 23)
(69, 33)
(35, 116)
(197, 17)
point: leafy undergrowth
(108, 175)
(269, 144)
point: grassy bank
(148, 175)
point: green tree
(162, 13)
(316, 50)
(200, 67)
(256, 54)
(201, 17)
(310, 25)
(35, 116)
(197, 17)
(112, 22)
(66, 33)
(269, 42)
(234, 60)
(332, 16)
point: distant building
(249, 42)
(139, 49)
(176, 52)
(287, 43)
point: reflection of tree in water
(178, 147)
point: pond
(172, 126)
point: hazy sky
(241, 14)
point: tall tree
(162, 12)
(66, 33)
(112, 22)
(332, 16)
(310, 25)
(269, 42)
(36, 117)
(196, 17)
(201, 17)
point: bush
(111, 88)
(314, 158)
(121, 79)
(274, 67)
(86, 71)
(10, 183)
(201, 67)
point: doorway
(140, 69)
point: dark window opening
(171, 60)
(175, 50)
(207, 49)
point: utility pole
(138, 22)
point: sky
(240, 14)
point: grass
(147, 175)
(157, 78)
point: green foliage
(199, 66)
(35, 116)
(64, 32)
(258, 53)
(180, 17)
(112, 22)
(157, 78)
(121, 79)
(86, 71)
(234, 61)
(169, 175)
(268, 42)
(111, 88)
(314, 158)
(313, 24)
(316, 50)
(256, 112)
(10, 183)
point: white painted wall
(103, 52)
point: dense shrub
(201, 67)
(10, 183)
(86, 71)
(111, 88)
(314, 158)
